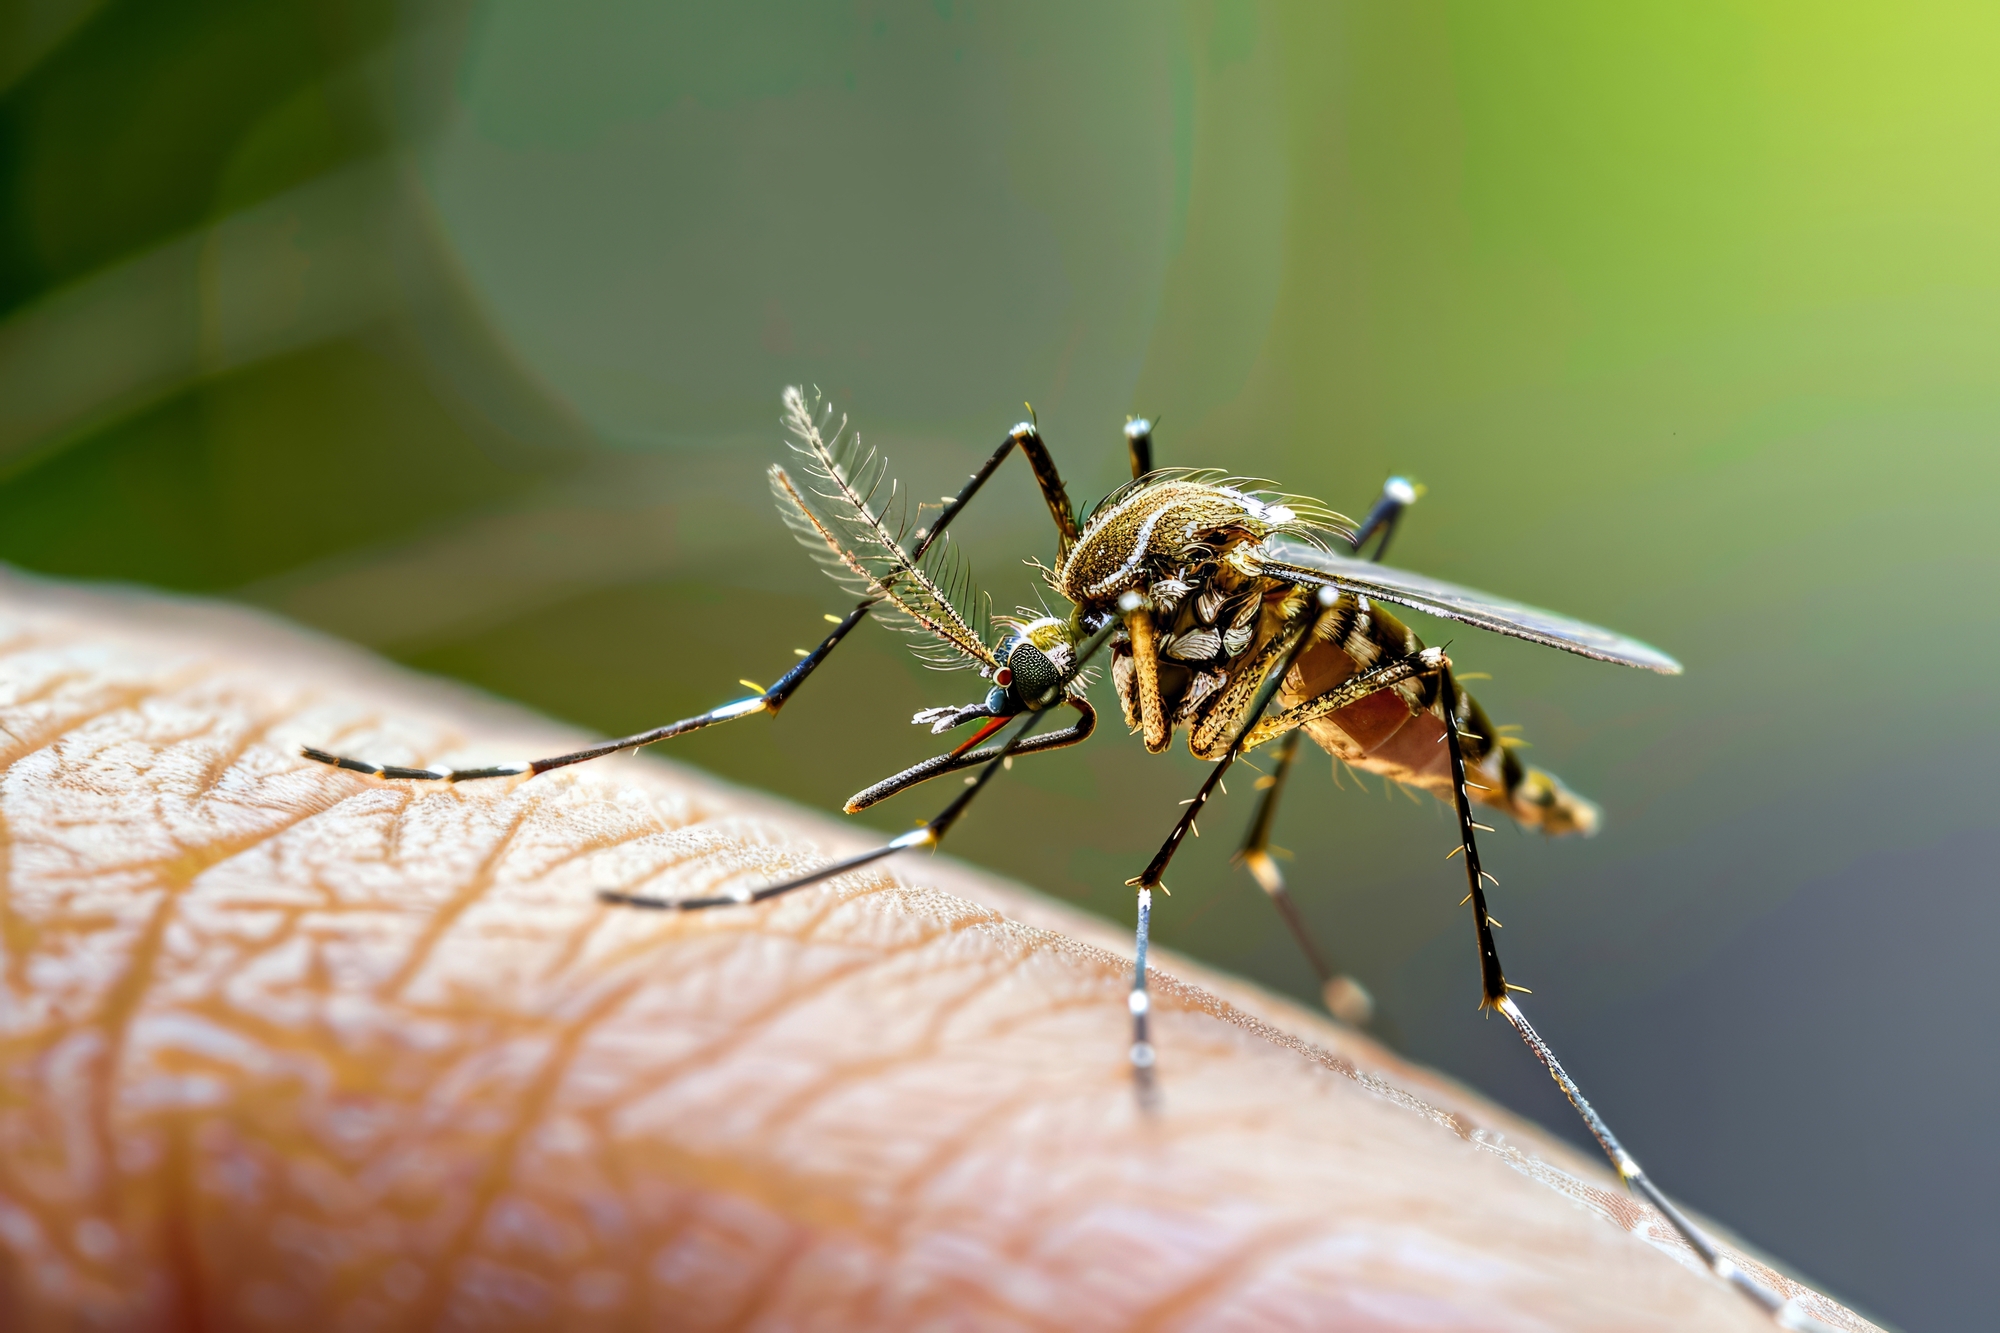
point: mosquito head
(1027, 674)
(1031, 662)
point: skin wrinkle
(393, 853)
(54, 733)
(190, 1288)
(272, 1034)
(591, 847)
(122, 997)
(446, 916)
(17, 937)
(576, 942)
(218, 768)
(49, 687)
(1269, 1244)
(801, 1187)
(499, 1162)
(954, 1147)
(777, 1010)
(765, 1290)
(113, 1016)
(870, 1105)
(925, 1043)
(1030, 1234)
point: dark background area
(458, 330)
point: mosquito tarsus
(1219, 602)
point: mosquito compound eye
(1003, 678)
(1031, 671)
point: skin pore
(290, 1047)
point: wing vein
(1303, 563)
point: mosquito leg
(1073, 734)
(770, 701)
(1344, 997)
(1350, 691)
(1497, 993)
(1150, 879)
(1398, 494)
(1142, 1055)
(1024, 437)
(1027, 437)
(1301, 634)
(1139, 443)
(929, 834)
(1255, 854)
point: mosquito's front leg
(1024, 437)
(766, 701)
(928, 834)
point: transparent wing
(1296, 560)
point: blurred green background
(458, 330)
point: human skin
(283, 1046)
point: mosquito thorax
(1154, 526)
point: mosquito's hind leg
(1426, 662)
(1497, 993)
(1344, 997)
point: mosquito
(1233, 613)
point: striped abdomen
(1395, 732)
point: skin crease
(282, 1046)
